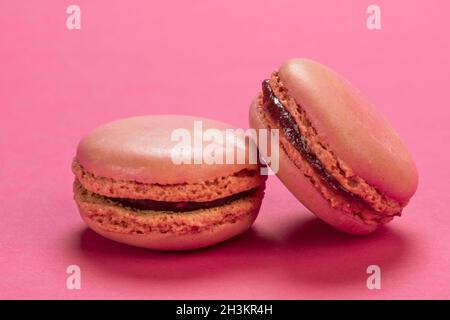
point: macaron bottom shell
(165, 230)
(301, 187)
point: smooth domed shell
(356, 132)
(139, 149)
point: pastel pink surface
(135, 58)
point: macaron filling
(372, 208)
(200, 191)
(168, 197)
(168, 206)
(147, 204)
(293, 134)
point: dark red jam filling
(288, 125)
(146, 204)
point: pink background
(208, 58)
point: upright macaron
(147, 181)
(338, 155)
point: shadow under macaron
(322, 254)
(233, 255)
(305, 251)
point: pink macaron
(338, 155)
(137, 183)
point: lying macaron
(131, 187)
(338, 155)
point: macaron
(147, 182)
(337, 154)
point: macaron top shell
(356, 132)
(140, 149)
